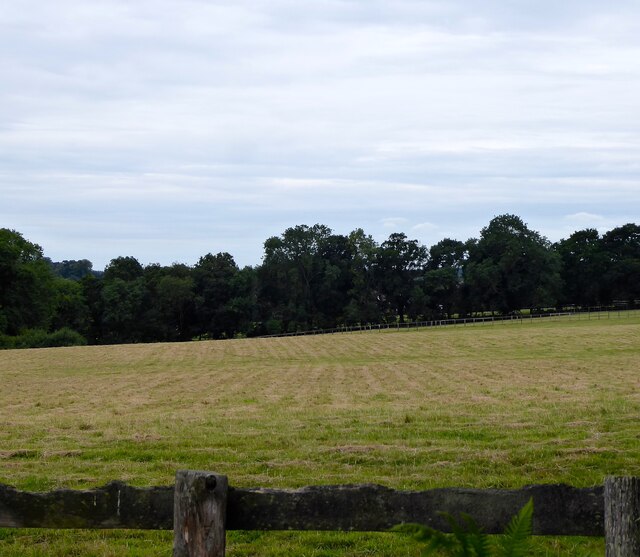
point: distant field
(501, 405)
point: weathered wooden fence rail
(201, 504)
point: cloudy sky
(168, 129)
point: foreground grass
(484, 406)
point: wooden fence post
(199, 514)
(622, 516)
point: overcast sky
(168, 129)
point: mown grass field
(501, 405)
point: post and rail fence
(595, 313)
(201, 507)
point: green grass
(500, 405)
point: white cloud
(252, 116)
(425, 226)
(393, 222)
(584, 218)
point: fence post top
(210, 479)
(198, 473)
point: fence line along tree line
(310, 278)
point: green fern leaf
(515, 541)
(436, 541)
(477, 539)
(468, 540)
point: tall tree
(70, 306)
(169, 313)
(26, 285)
(215, 286)
(622, 248)
(243, 306)
(444, 275)
(92, 287)
(305, 277)
(331, 292)
(584, 263)
(512, 267)
(362, 305)
(399, 268)
(124, 268)
(124, 297)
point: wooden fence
(581, 314)
(202, 506)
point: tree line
(310, 278)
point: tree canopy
(512, 267)
(26, 284)
(311, 277)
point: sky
(169, 129)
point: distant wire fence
(600, 312)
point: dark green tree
(215, 283)
(362, 306)
(170, 306)
(399, 269)
(512, 267)
(244, 303)
(92, 292)
(332, 287)
(123, 268)
(622, 248)
(304, 278)
(444, 277)
(584, 263)
(70, 306)
(124, 300)
(73, 269)
(27, 291)
(176, 300)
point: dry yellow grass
(484, 406)
(409, 409)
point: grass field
(500, 405)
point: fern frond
(468, 540)
(458, 533)
(436, 540)
(477, 539)
(443, 542)
(515, 541)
